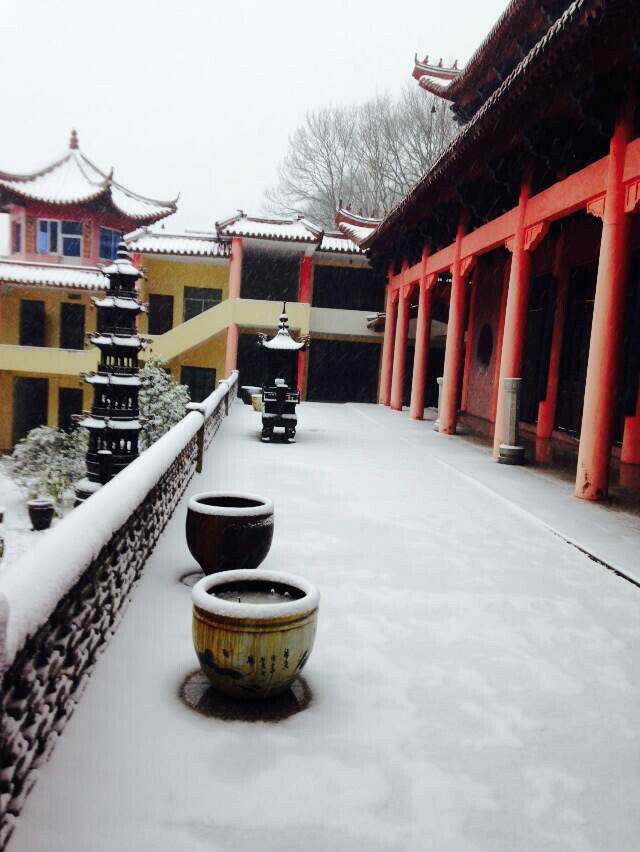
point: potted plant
(229, 530)
(41, 511)
(253, 631)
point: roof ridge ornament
(73, 141)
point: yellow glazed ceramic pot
(256, 401)
(253, 630)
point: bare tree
(365, 155)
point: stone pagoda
(114, 422)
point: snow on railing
(61, 601)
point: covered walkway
(474, 679)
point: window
(109, 241)
(71, 326)
(199, 299)
(63, 238)
(16, 237)
(69, 403)
(32, 326)
(160, 313)
(200, 381)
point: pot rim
(265, 507)
(264, 612)
(40, 502)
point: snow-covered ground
(475, 677)
(16, 528)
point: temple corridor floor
(475, 676)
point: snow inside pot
(226, 530)
(40, 512)
(253, 631)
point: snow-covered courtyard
(475, 678)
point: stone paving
(475, 681)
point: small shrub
(48, 461)
(162, 401)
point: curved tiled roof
(286, 230)
(201, 244)
(484, 119)
(499, 37)
(52, 275)
(74, 179)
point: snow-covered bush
(162, 401)
(48, 461)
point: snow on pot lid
(204, 597)
(222, 503)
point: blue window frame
(109, 240)
(60, 237)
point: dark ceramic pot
(40, 513)
(227, 531)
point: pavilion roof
(298, 230)
(75, 179)
(356, 226)
(188, 243)
(566, 32)
(52, 275)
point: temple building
(65, 222)
(211, 294)
(525, 232)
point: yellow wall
(169, 277)
(55, 383)
(10, 311)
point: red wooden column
(423, 333)
(304, 296)
(386, 367)
(547, 407)
(515, 320)
(453, 348)
(594, 454)
(400, 348)
(231, 356)
(630, 453)
(235, 279)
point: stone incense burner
(253, 631)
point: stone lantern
(114, 422)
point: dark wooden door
(537, 346)
(30, 403)
(32, 323)
(160, 313)
(201, 381)
(69, 403)
(342, 371)
(71, 326)
(575, 348)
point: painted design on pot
(250, 627)
(228, 530)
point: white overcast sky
(198, 96)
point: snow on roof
(52, 275)
(287, 230)
(282, 339)
(74, 179)
(196, 244)
(356, 226)
(108, 339)
(110, 379)
(339, 242)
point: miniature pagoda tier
(114, 422)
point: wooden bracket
(632, 196)
(595, 207)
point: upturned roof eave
(476, 127)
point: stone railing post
(226, 397)
(511, 451)
(436, 425)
